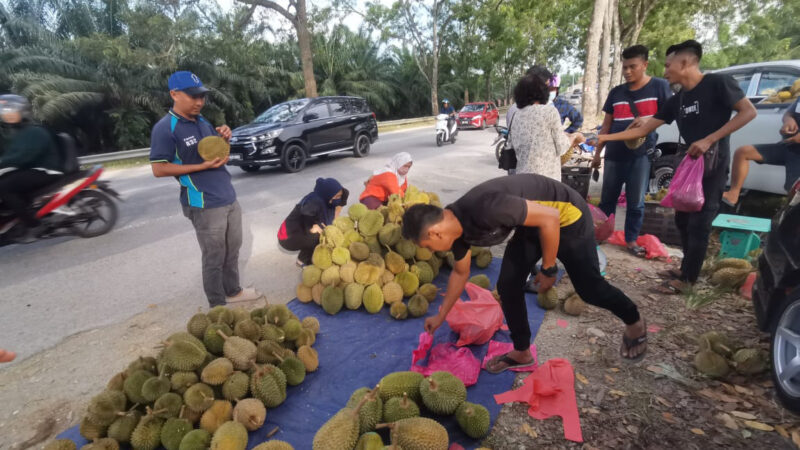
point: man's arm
(168, 169)
(789, 124)
(608, 119)
(646, 128)
(547, 220)
(455, 286)
(745, 112)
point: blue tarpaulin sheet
(356, 349)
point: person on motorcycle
(565, 109)
(30, 159)
(448, 109)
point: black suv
(292, 132)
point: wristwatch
(550, 271)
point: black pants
(305, 242)
(695, 227)
(16, 188)
(578, 252)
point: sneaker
(245, 295)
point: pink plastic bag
(477, 320)
(651, 244)
(447, 357)
(603, 225)
(497, 348)
(686, 188)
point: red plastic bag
(652, 244)
(477, 320)
(603, 225)
(458, 361)
(686, 188)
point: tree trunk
(304, 41)
(435, 68)
(589, 107)
(466, 95)
(605, 58)
(616, 64)
(488, 85)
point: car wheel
(361, 149)
(250, 168)
(293, 158)
(663, 170)
(785, 347)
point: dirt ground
(660, 402)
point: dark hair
(418, 218)
(691, 46)
(636, 51)
(533, 87)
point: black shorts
(782, 154)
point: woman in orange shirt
(391, 179)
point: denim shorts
(782, 154)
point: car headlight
(272, 134)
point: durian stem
(277, 356)
(183, 409)
(273, 432)
(222, 334)
(385, 425)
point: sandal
(628, 344)
(667, 288)
(510, 364)
(637, 250)
(673, 274)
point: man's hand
(224, 132)
(214, 163)
(433, 323)
(316, 229)
(698, 148)
(577, 138)
(637, 122)
(597, 160)
(789, 126)
(543, 282)
(793, 140)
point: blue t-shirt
(174, 140)
(648, 99)
(448, 110)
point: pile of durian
(207, 387)
(728, 272)
(396, 404)
(718, 354)
(363, 260)
(785, 95)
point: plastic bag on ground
(603, 225)
(447, 357)
(686, 188)
(652, 244)
(477, 320)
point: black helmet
(15, 103)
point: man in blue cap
(207, 195)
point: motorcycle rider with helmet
(448, 109)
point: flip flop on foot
(671, 287)
(629, 344)
(245, 295)
(637, 250)
(492, 366)
(729, 199)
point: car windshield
(472, 108)
(283, 112)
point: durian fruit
(309, 357)
(429, 291)
(221, 314)
(147, 434)
(473, 419)
(266, 351)
(373, 244)
(341, 430)
(481, 280)
(133, 385)
(750, 361)
(102, 444)
(734, 263)
(230, 436)
(117, 382)
(330, 276)
(389, 234)
(251, 413)
(257, 315)
(173, 432)
(106, 407)
(371, 411)
(372, 299)
(394, 262)
(340, 255)
(270, 332)
(122, 428)
(343, 223)
(483, 259)
(192, 416)
(419, 433)
(356, 211)
(321, 257)
(278, 314)
(236, 386)
(367, 273)
(62, 444)
(311, 275)
(307, 337)
(293, 369)
(303, 293)
(370, 223)
(217, 372)
(350, 237)
(711, 364)
(392, 293)
(549, 299)
(197, 325)
(417, 306)
(397, 384)
(398, 408)
(199, 397)
(332, 300)
(292, 329)
(213, 341)
(312, 323)
(574, 306)
(220, 412)
(423, 254)
(409, 282)
(716, 342)
(370, 441)
(399, 310)
(406, 248)
(730, 277)
(347, 272)
(333, 236)
(268, 384)
(442, 393)
(423, 271)
(353, 294)
(241, 352)
(155, 387)
(180, 381)
(359, 251)
(90, 430)
(248, 329)
(240, 313)
(196, 440)
(147, 363)
(387, 277)
(168, 405)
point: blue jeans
(635, 175)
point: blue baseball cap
(187, 82)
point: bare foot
(634, 332)
(6, 356)
(730, 197)
(500, 363)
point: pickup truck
(761, 83)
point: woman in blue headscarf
(302, 229)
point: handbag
(710, 157)
(633, 144)
(508, 157)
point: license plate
(235, 157)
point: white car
(758, 81)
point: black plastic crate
(660, 222)
(577, 178)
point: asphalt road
(53, 289)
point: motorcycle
(500, 140)
(443, 133)
(78, 204)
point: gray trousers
(219, 233)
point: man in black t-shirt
(549, 220)
(703, 111)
